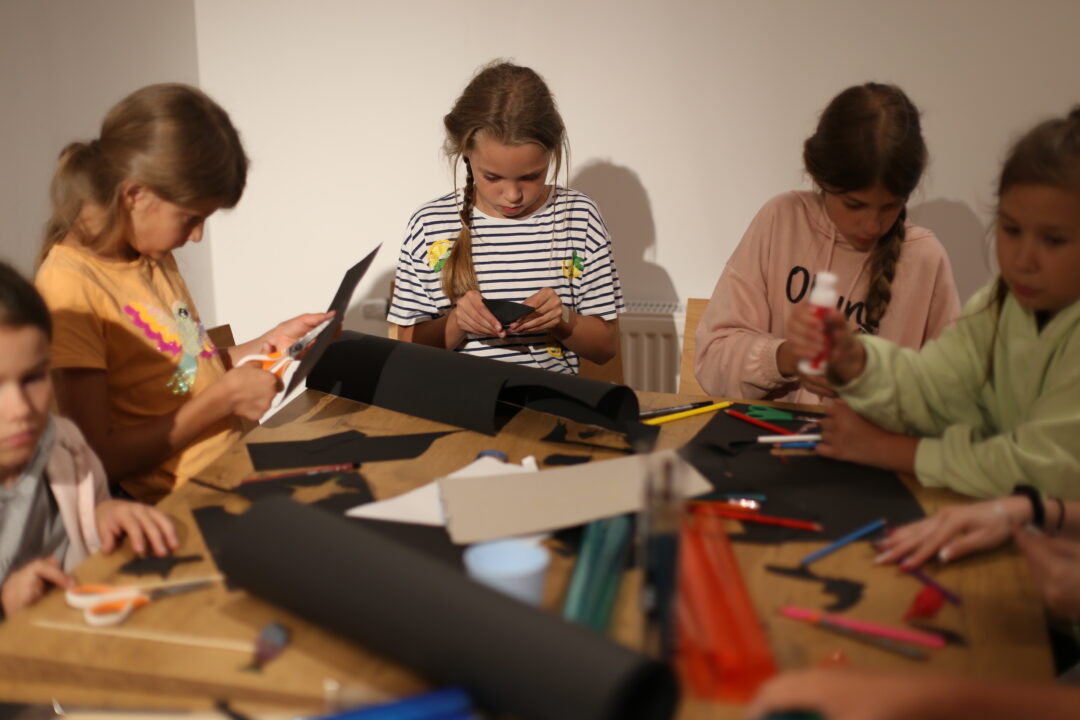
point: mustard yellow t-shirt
(136, 321)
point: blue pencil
(846, 540)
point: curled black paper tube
(433, 619)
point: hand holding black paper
(472, 316)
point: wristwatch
(565, 315)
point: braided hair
(512, 105)
(870, 134)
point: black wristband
(1038, 512)
(1061, 516)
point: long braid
(883, 263)
(458, 274)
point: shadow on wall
(648, 330)
(965, 239)
(368, 314)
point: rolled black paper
(464, 390)
(422, 613)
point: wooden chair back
(688, 383)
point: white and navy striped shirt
(564, 245)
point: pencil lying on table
(734, 513)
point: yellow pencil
(687, 413)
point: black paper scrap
(354, 488)
(337, 449)
(841, 496)
(507, 312)
(573, 433)
(847, 593)
(156, 565)
(563, 459)
(214, 523)
(464, 390)
(339, 305)
(325, 569)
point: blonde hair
(171, 138)
(513, 106)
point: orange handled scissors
(277, 361)
(111, 604)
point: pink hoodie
(772, 270)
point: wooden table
(1001, 618)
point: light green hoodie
(983, 438)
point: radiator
(651, 337)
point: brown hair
(868, 135)
(514, 107)
(172, 138)
(1048, 154)
(20, 303)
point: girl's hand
(288, 332)
(847, 435)
(806, 334)
(249, 391)
(837, 695)
(1055, 569)
(955, 532)
(147, 527)
(25, 586)
(547, 314)
(472, 316)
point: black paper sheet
(841, 496)
(351, 446)
(431, 618)
(507, 312)
(339, 305)
(463, 390)
(350, 485)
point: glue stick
(822, 298)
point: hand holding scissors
(111, 604)
(277, 361)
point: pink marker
(864, 626)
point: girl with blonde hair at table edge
(54, 502)
(132, 363)
(866, 158)
(509, 235)
(995, 401)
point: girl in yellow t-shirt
(132, 364)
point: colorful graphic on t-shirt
(572, 266)
(175, 334)
(555, 350)
(438, 253)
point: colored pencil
(687, 413)
(865, 626)
(300, 472)
(789, 438)
(760, 423)
(926, 579)
(646, 414)
(733, 513)
(846, 540)
(869, 639)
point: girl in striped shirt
(509, 235)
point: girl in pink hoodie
(54, 502)
(866, 157)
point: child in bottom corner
(55, 507)
(995, 401)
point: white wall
(684, 116)
(63, 64)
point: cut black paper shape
(339, 305)
(841, 496)
(847, 593)
(464, 390)
(507, 312)
(354, 488)
(379, 595)
(563, 459)
(347, 447)
(572, 433)
(156, 565)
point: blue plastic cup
(515, 567)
